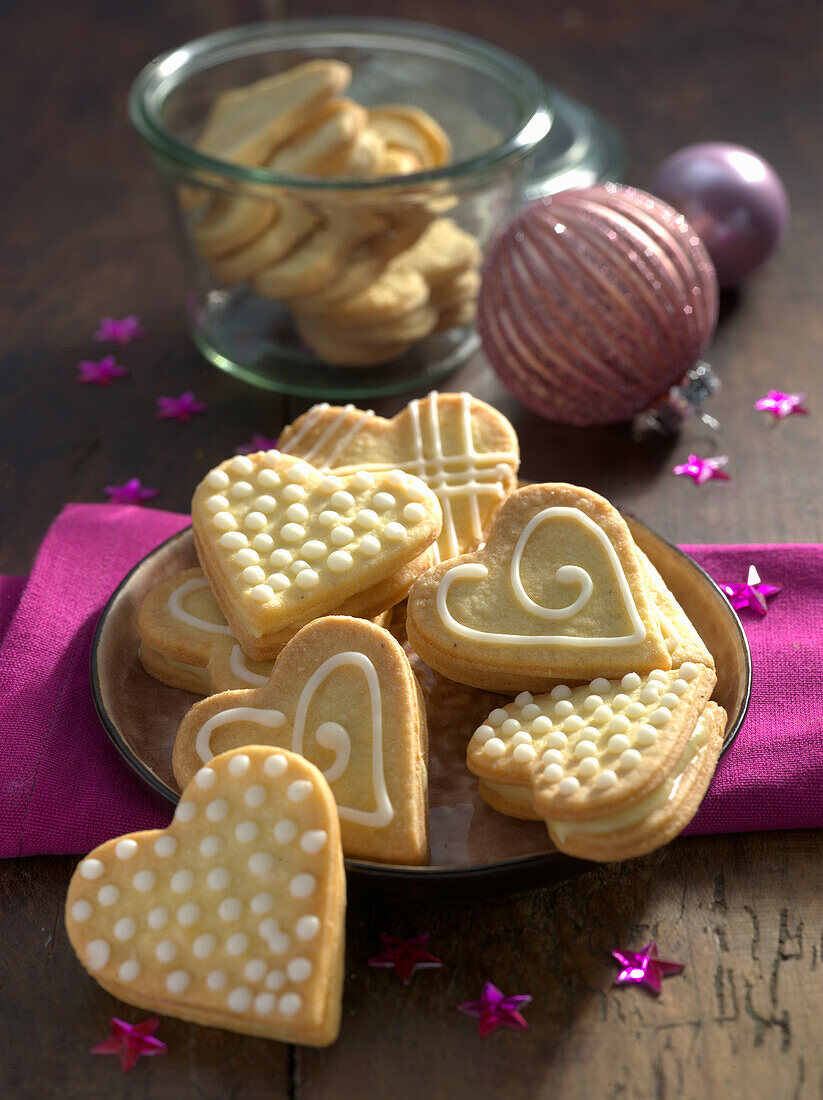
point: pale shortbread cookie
(398, 162)
(281, 543)
(294, 222)
(329, 137)
(443, 251)
(343, 694)
(343, 352)
(233, 916)
(392, 295)
(456, 317)
(682, 640)
(459, 290)
(246, 124)
(411, 130)
(230, 222)
(557, 592)
(404, 329)
(463, 449)
(362, 159)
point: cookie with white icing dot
(343, 693)
(231, 917)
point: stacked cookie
(363, 281)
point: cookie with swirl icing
(557, 592)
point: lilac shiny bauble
(732, 198)
(594, 302)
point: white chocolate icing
(271, 719)
(242, 672)
(176, 608)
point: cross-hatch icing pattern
(250, 940)
(463, 476)
(283, 529)
(583, 736)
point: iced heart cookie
(682, 640)
(461, 447)
(343, 693)
(556, 592)
(231, 917)
(282, 543)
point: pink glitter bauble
(594, 302)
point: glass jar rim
(157, 79)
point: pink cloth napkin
(64, 789)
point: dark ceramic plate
(474, 850)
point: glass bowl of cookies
(333, 184)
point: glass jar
(336, 281)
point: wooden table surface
(85, 234)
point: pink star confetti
(643, 967)
(100, 372)
(130, 493)
(752, 594)
(118, 331)
(495, 1010)
(781, 404)
(130, 1042)
(703, 469)
(405, 956)
(258, 443)
(181, 408)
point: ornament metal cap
(682, 401)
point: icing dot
(125, 849)
(242, 465)
(313, 840)
(553, 756)
(225, 521)
(262, 593)
(81, 910)
(264, 1003)
(255, 970)
(396, 479)
(629, 759)
(275, 765)
(342, 535)
(592, 702)
(510, 726)
(230, 909)
(569, 785)
(585, 748)
(678, 687)
(260, 863)
(269, 478)
(620, 701)
(307, 578)
(292, 532)
(293, 493)
(217, 479)
(494, 748)
(239, 764)
(302, 885)
(650, 693)
(497, 716)
(253, 574)
(247, 556)
(618, 743)
(342, 501)
(297, 791)
(241, 489)
(237, 943)
(255, 795)
(659, 675)
(128, 970)
(521, 738)
(669, 700)
(263, 543)
(635, 710)
(297, 513)
(541, 724)
(524, 753)
(108, 895)
(298, 566)
(91, 868)
(218, 878)
(217, 809)
(313, 549)
(178, 981)
(339, 561)
(189, 913)
(278, 582)
(166, 951)
(280, 558)
(269, 927)
(561, 692)
(646, 735)
(563, 708)
(369, 545)
(327, 517)
(599, 685)
(414, 513)
(588, 767)
(290, 1004)
(246, 831)
(299, 969)
(275, 979)
(265, 503)
(394, 532)
(204, 945)
(557, 740)
(285, 831)
(125, 928)
(298, 474)
(97, 954)
(619, 724)
(261, 903)
(307, 927)
(483, 733)
(660, 716)
(216, 980)
(367, 518)
(278, 943)
(573, 723)
(256, 521)
(553, 773)
(362, 480)
(233, 540)
(415, 489)
(606, 779)
(211, 845)
(383, 501)
(158, 918)
(206, 778)
(602, 714)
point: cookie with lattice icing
(343, 693)
(556, 592)
(463, 449)
(282, 543)
(231, 917)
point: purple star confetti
(258, 443)
(130, 1042)
(181, 408)
(100, 372)
(752, 594)
(405, 956)
(122, 331)
(702, 470)
(782, 404)
(132, 492)
(643, 967)
(495, 1010)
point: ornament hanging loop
(682, 401)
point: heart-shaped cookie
(233, 916)
(282, 543)
(557, 592)
(343, 693)
(461, 447)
